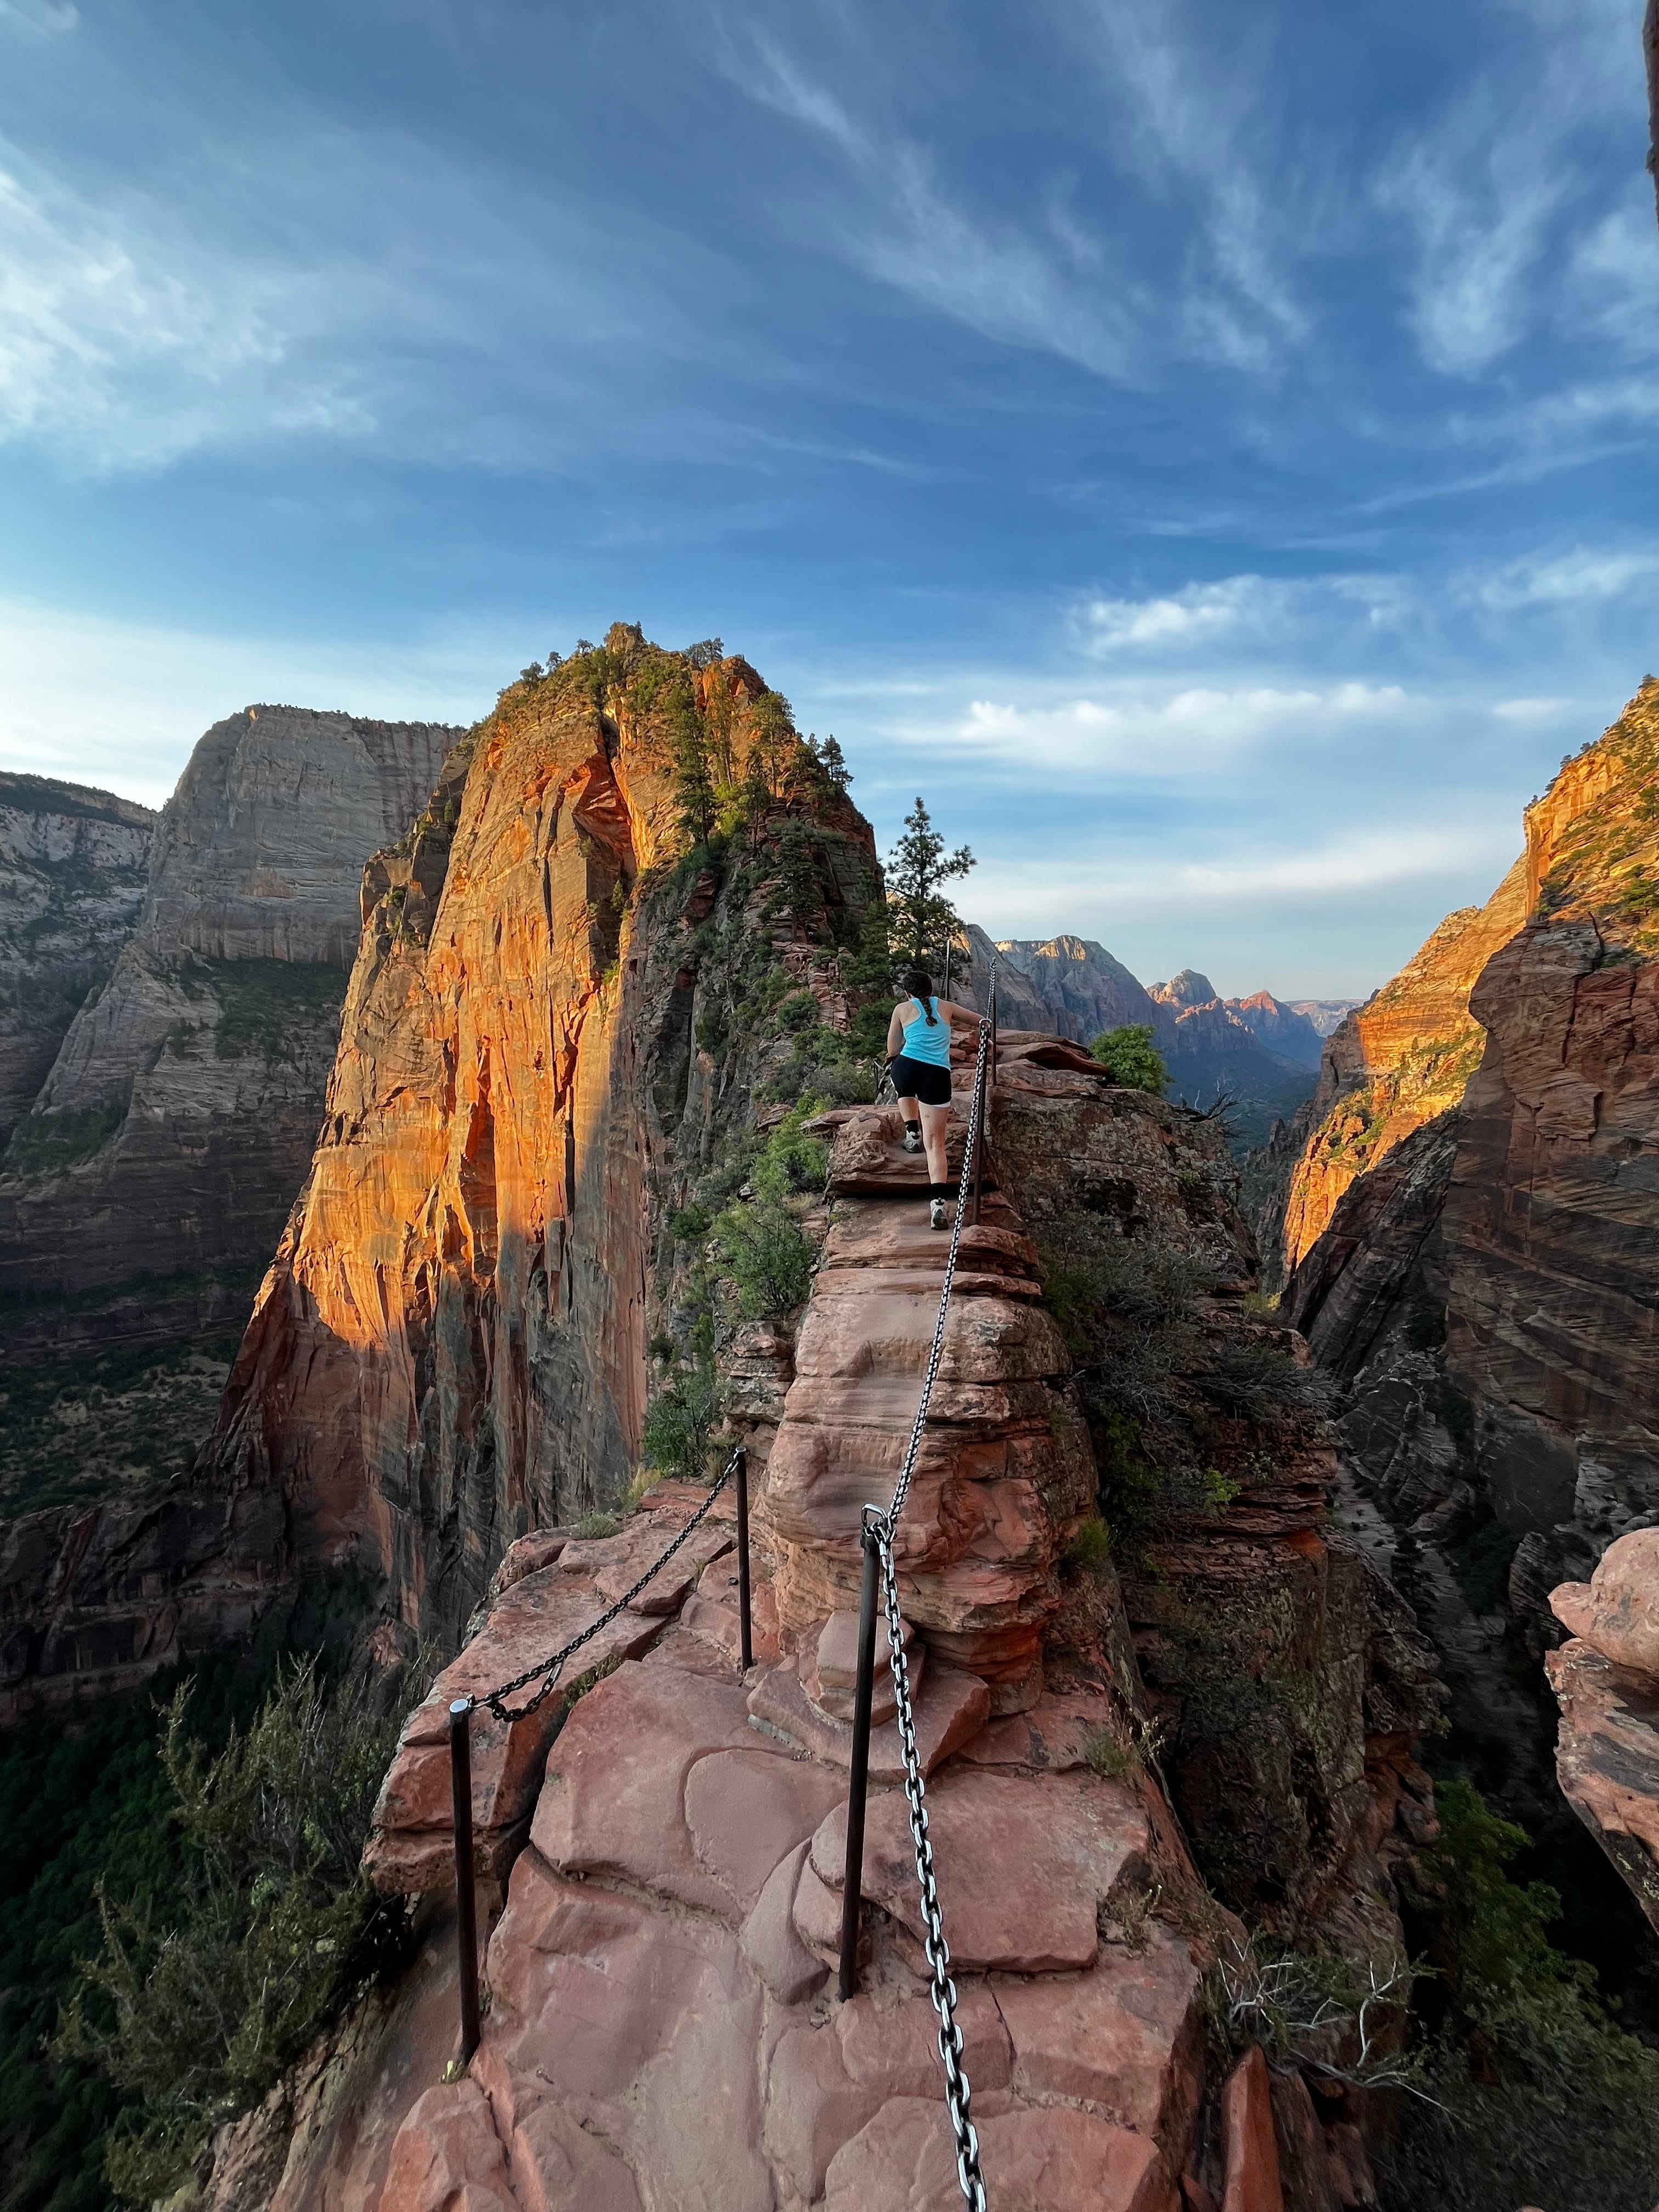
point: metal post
(466, 1922)
(859, 1778)
(748, 1645)
(994, 1029)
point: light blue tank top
(931, 1044)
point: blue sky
(1209, 452)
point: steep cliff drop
(1491, 1290)
(142, 1193)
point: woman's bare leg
(909, 1110)
(935, 1123)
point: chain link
(553, 1668)
(944, 1990)
(883, 1529)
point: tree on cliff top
(1133, 1060)
(921, 921)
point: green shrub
(1132, 1058)
(682, 1421)
(592, 1526)
(194, 2006)
(1538, 2096)
(1091, 1547)
(768, 1257)
(1249, 1375)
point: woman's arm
(958, 1016)
(895, 1031)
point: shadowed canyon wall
(73, 868)
(144, 1191)
(1490, 1289)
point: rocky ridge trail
(663, 1838)
(659, 2030)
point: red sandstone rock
(949, 1710)
(1251, 2149)
(1074, 1841)
(1606, 1759)
(1053, 2160)
(448, 2158)
(1125, 2038)
(659, 1781)
(641, 2032)
(410, 1847)
(1618, 1610)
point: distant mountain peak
(1189, 988)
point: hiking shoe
(936, 1214)
(913, 1140)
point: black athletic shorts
(920, 1080)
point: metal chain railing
(549, 1671)
(878, 1532)
(554, 1666)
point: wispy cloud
(40, 18)
(1567, 578)
(1156, 738)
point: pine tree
(773, 738)
(922, 919)
(695, 800)
(831, 761)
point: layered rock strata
(1487, 1291)
(73, 868)
(1402, 1059)
(451, 1347)
(148, 1185)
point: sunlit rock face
(451, 1346)
(1393, 1064)
(74, 864)
(144, 1191)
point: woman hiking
(919, 1057)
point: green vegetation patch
(1534, 2094)
(118, 1423)
(1131, 1058)
(47, 1143)
(273, 1009)
(197, 1996)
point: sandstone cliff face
(537, 1050)
(1552, 1317)
(1084, 990)
(1606, 1678)
(1394, 1063)
(148, 1184)
(73, 866)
